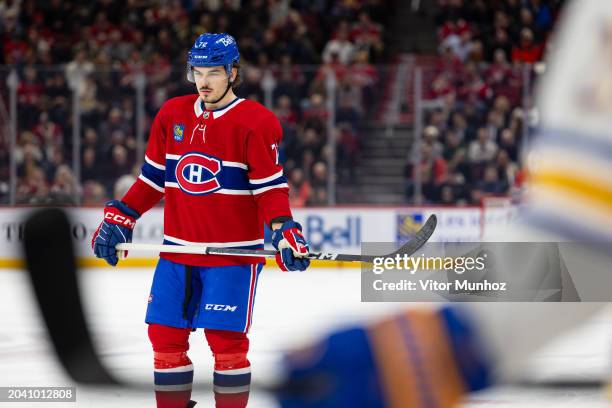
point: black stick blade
(421, 237)
(418, 240)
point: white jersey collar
(217, 113)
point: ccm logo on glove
(119, 219)
(116, 228)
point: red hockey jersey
(219, 174)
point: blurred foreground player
(214, 158)
(435, 357)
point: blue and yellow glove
(420, 358)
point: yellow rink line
(17, 263)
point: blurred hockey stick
(50, 259)
(419, 239)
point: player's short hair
(238, 81)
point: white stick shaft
(179, 249)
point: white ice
(290, 309)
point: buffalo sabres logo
(179, 132)
(197, 173)
(407, 226)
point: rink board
(337, 229)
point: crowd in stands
(471, 145)
(99, 49)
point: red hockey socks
(232, 377)
(173, 369)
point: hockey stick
(409, 248)
(51, 261)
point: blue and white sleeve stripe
(153, 174)
(262, 185)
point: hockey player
(214, 158)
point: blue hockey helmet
(211, 50)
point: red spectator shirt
(529, 54)
(219, 174)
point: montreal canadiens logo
(197, 173)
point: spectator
(543, 15)
(447, 196)
(456, 181)
(300, 190)
(433, 173)
(319, 184)
(55, 159)
(94, 193)
(119, 164)
(315, 114)
(349, 110)
(367, 35)
(79, 68)
(33, 187)
(47, 132)
(64, 188)
(526, 21)
(333, 68)
(122, 185)
(483, 149)
(460, 44)
(507, 142)
(459, 125)
(306, 163)
(501, 41)
(91, 168)
(117, 129)
(455, 153)
(302, 47)
(28, 150)
(431, 136)
(347, 149)
(252, 83)
(289, 78)
(363, 76)
(495, 121)
(491, 185)
(312, 140)
(527, 51)
(285, 113)
(499, 70)
(29, 94)
(339, 48)
(90, 139)
(507, 170)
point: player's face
(211, 82)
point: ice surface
(290, 309)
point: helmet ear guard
(189, 72)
